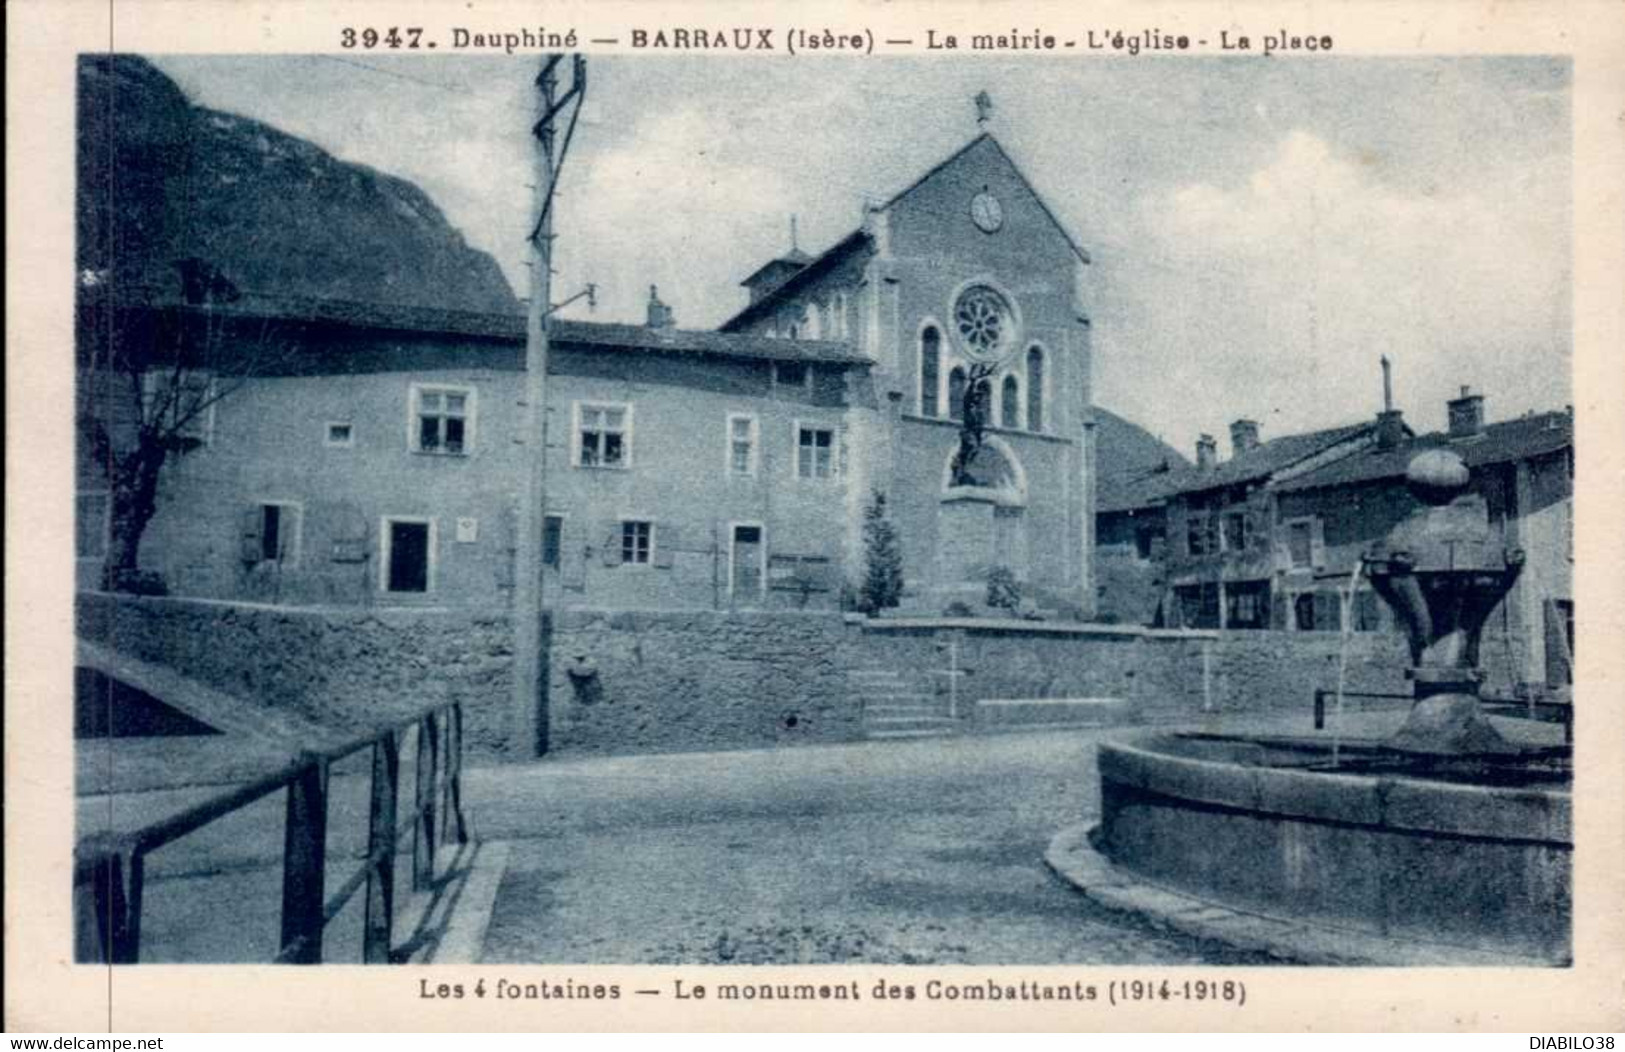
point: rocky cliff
(162, 181)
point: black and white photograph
(551, 497)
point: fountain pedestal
(1442, 572)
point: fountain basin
(1471, 857)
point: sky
(1262, 230)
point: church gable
(978, 203)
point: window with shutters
(1201, 536)
(603, 435)
(271, 533)
(1300, 543)
(815, 452)
(930, 370)
(1237, 531)
(1247, 604)
(742, 441)
(637, 542)
(442, 419)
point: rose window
(983, 319)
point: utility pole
(529, 722)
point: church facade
(379, 460)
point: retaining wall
(655, 681)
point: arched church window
(956, 393)
(930, 364)
(1035, 389)
(1010, 404)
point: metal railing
(1530, 708)
(111, 866)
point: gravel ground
(926, 852)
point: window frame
(1036, 394)
(753, 470)
(349, 442)
(734, 525)
(1225, 518)
(648, 562)
(577, 408)
(1307, 522)
(414, 414)
(557, 566)
(297, 547)
(796, 428)
(431, 559)
(937, 396)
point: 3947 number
(393, 37)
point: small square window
(340, 436)
(637, 541)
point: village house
(1269, 538)
(375, 456)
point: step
(899, 697)
(943, 732)
(909, 723)
(1046, 713)
(882, 710)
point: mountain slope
(162, 180)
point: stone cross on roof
(984, 109)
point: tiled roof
(1507, 440)
(511, 328)
(1263, 460)
(819, 265)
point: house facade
(376, 457)
(1272, 538)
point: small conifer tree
(883, 562)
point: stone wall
(637, 681)
(647, 681)
(1164, 675)
(660, 681)
(354, 669)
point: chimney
(1390, 421)
(1207, 452)
(1243, 436)
(1466, 413)
(660, 315)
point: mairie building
(377, 456)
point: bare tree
(151, 371)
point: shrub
(882, 559)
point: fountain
(1447, 842)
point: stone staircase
(895, 705)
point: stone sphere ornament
(1437, 476)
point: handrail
(111, 865)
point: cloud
(1275, 296)
(658, 208)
